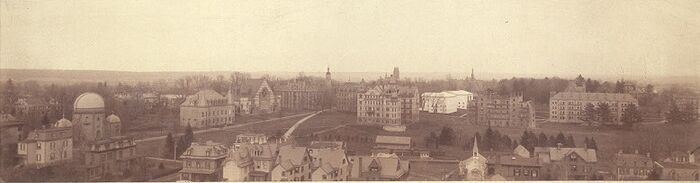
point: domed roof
(113, 119)
(63, 122)
(89, 100)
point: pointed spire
(475, 148)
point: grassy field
(153, 148)
(430, 171)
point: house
(47, 146)
(679, 166)
(329, 164)
(632, 166)
(378, 168)
(250, 162)
(172, 101)
(251, 138)
(293, 164)
(567, 163)
(203, 162)
(677, 171)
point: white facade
(443, 102)
(463, 98)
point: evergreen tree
(561, 139)
(542, 140)
(604, 114)
(446, 136)
(552, 141)
(674, 115)
(434, 140)
(593, 144)
(570, 141)
(45, 121)
(487, 140)
(168, 149)
(587, 142)
(589, 113)
(619, 87)
(631, 116)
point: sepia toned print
(349, 90)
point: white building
(442, 102)
(463, 98)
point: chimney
(636, 151)
(648, 155)
(619, 152)
(559, 146)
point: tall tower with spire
(475, 149)
(328, 77)
(472, 76)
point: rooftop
(393, 140)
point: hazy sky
(635, 37)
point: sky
(598, 37)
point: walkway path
(291, 130)
(228, 127)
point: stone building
(102, 149)
(569, 107)
(503, 111)
(688, 103)
(632, 166)
(567, 163)
(388, 104)
(206, 109)
(203, 162)
(47, 146)
(346, 96)
(253, 96)
(306, 94)
(31, 105)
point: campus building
(503, 111)
(388, 104)
(254, 96)
(250, 162)
(569, 107)
(346, 96)
(306, 94)
(47, 146)
(688, 103)
(207, 108)
(102, 148)
(10, 134)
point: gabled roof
(331, 158)
(247, 88)
(202, 97)
(290, 156)
(240, 157)
(389, 167)
(206, 150)
(557, 154)
(676, 165)
(459, 92)
(267, 151)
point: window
(38, 157)
(516, 172)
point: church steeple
(472, 76)
(475, 148)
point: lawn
(153, 148)
(430, 171)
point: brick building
(388, 104)
(569, 107)
(207, 108)
(503, 111)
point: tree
(619, 87)
(589, 113)
(434, 140)
(168, 150)
(675, 115)
(561, 139)
(604, 114)
(631, 116)
(587, 142)
(542, 140)
(570, 141)
(593, 144)
(446, 136)
(45, 121)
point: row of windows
(524, 173)
(216, 113)
(198, 164)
